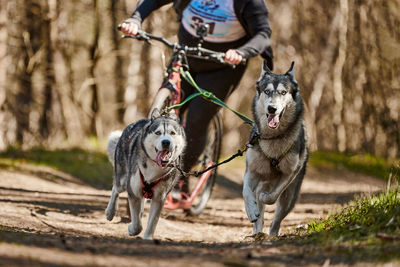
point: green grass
(363, 217)
(367, 229)
(92, 168)
(363, 163)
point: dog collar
(256, 136)
(147, 188)
(271, 138)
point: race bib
(219, 14)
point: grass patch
(367, 229)
(364, 217)
(92, 168)
(365, 163)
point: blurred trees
(347, 56)
(65, 73)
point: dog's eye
(158, 133)
(173, 133)
(283, 92)
(268, 92)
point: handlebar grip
(243, 62)
(140, 35)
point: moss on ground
(91, 167)
(362, 163)
(366, 229)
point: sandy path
(48, 218)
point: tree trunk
(23, 44)
(338, 120)
(49, 79)
(118, 76)
(94, 106)
(66, 88)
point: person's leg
(200, 112)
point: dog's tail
(113, 139)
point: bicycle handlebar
(195, 52)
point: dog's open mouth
(163, 157)
(274, 119)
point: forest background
(66, 75)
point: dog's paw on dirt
(259, 237)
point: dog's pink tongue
(165, 156)
(162, 156)
(273, 120)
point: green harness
(206, 95)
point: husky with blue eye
(276, 161)
(145, 157)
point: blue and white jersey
(219, 14)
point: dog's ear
(290, 74)
(258, 86)
(265, 67)
(265, 70)
(155, 114)
(174, 117)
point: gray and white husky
(145, 156)
(276, 161)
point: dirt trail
(48, 218)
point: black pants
(214, 77)
(221, 82)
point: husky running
(145, 156)
(276, 163)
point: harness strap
(273, 161)
(147, 188)
(239, 153)
(184, 102)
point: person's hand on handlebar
(233, 57)
(129, 28)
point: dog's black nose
(165, 143)
(271, 109)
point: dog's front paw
(253, 213)
(110, 213)
(266, 198)
(134, 229)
